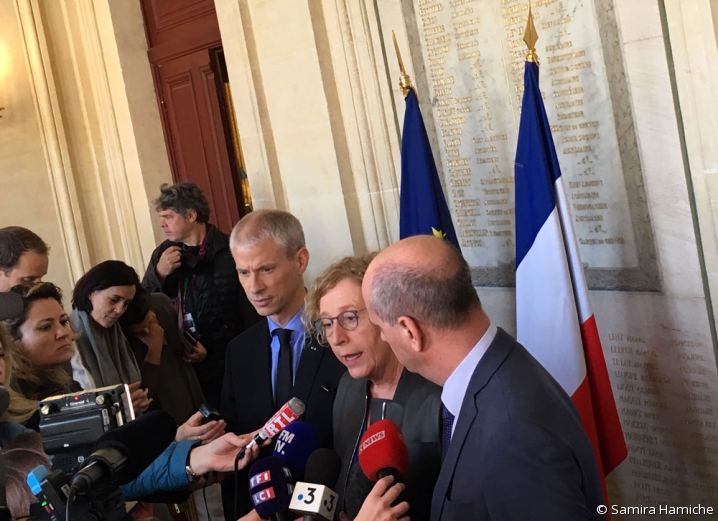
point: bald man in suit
(515, 448)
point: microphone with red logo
(289, 413)
(271, 487)
(383, 452)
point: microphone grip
(280, 516)
(389, 471)
(243, 450)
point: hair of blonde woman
(20, 409)
(349, 268)
(22, 367)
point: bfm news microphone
(122, 454)
(295, 444)
(289, 412)
(271, 486)
(314, 497)
(383, 452)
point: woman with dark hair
(99, 299)
(150, 326)
(43, 339)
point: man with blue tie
(516, 448)
(274, 360)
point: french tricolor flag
(554, 318)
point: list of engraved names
(474, 53)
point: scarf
(105, 353)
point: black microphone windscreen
(323, 468)
(142, 440)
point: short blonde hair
(349, 268)
(278, 225)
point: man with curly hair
(194, 267)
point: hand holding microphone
(383, 456)
(220, 454)
(289, 412)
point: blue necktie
(448, 424)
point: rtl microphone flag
(554, 317)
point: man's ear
(302, 259)
(192, 215)
(412, 334)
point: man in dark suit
(274, 360)
(517, 449)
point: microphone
(270, 486)
(122, 454)
(383, 452)
(289, 412)
(315, 499)
(295, 444)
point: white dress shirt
(458, 382)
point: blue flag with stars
(423, 209)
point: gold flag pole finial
(531, 37)
(404, 78)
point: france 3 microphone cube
(311, 499)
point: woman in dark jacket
(150, 322)
(377, 386)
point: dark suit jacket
(248, 399)
(518, 451)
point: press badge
(189, 322)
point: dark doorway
(185, 53)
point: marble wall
(82, 145)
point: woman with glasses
(376, 386)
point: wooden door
(196, 134)
(183, 38)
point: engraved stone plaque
(473, 54)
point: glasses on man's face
(348, 320)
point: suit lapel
(488, 365)
(309, 363)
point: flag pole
(404, 78)
(530, 38)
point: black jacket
(416, 409)
(248, 399)
(218, 304)
(176, 389)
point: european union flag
(423, 209)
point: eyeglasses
(348, 320)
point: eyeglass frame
(318, 323)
